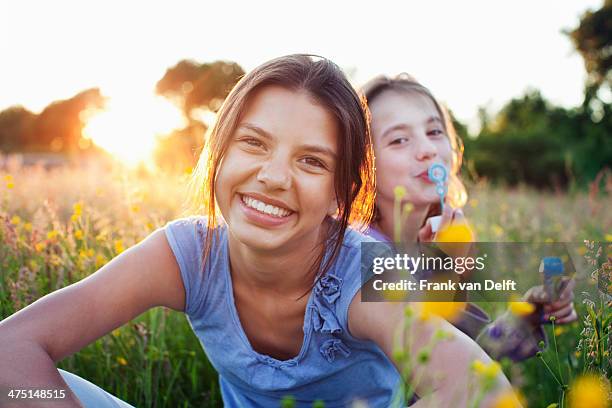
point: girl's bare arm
(61, 323)
(445, 378)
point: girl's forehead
(407, 107)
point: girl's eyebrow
(309, 147)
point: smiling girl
(270, 278)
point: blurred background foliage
(528, 141)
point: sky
(470, 54)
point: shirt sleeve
(186, 237)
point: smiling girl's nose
(425, 149)
(275, 174)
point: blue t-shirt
(331, 366)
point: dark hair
(354, 173)
(405, 83)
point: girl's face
(408, 137)
(276, 182)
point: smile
(264, 208)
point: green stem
(557, 352)
(550, 371)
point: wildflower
(609, 237)
(150, 225)
(488, 371)
(399, 192)
(55, 260)
(118, 246)
(27, 226)
(10, 185)
(78, 208)
(83, 254)
(90, 252)
(408, 207)
(521, 308)
(589, 392)
(122, 361)
(74, 218)
(509, 399)
(100, 261)
(78, 234)
(52, 235)
(445, 310)
(559, 330)
(135, 208)
(8, 178)
(40, 246)
(116, 333)
(456, 232)
(497, 230)
(16, 220)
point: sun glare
(129, 126)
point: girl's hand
(562, 309)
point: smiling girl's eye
(399, 140)
(435, 132)
(250, 141)
(313, 161)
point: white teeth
(265, 208)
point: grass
(58, 226)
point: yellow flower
(549, 240)
(489, 371)
(135, 208)
(497, 230)
(55, 260)
(399, 192)
(52, 235)
(83, 254)
(116, 333)
(8, 178)
(408, 207)
(27, 226)
(149, 225)
(609, 237)
(10, 185)
(74, 218)
(118, 246)
(78, 234)
(582, 250)
(90, 252)
(521, 308)
(16, 220)
(445, 310)
(100, 261)
(78, 208)
(559, 330)
(456, 232)
(589, 392)
(40, 246)
(122, 361)
(510, 399)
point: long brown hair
(457, 195)
(354, 172)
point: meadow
(59, 225)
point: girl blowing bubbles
(272, 290)
(411, 131)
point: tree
(191, 85)
(593, 39)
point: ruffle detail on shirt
(326, 292)
(331, 347)
(324, 320)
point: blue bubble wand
(439, 175)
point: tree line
(529, 140)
